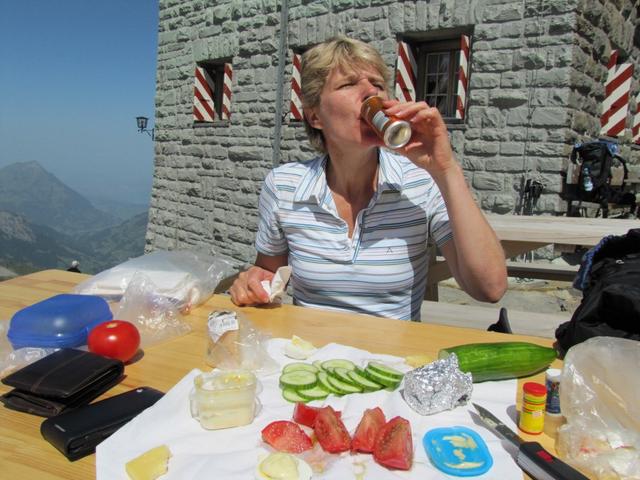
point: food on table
(306, 415)
(282, 466)
(224, 399)
(394, 445)
(416, 361)
(457, 451)
(303, 382)
(367, 430)
(114, 339)
(299, 348)
(286, 436)
(331, 432)
(501, 360)
(150, 465)
(437, 386)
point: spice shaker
(394, 132)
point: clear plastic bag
(234, 343)
(156, 316)
(12, 360)
(185, 278)
(599, 395)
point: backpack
(598, 163)
(609, 278)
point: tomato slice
(286, 436)
(394, 445)
(331, 432)
(370, 425)
(306, 414)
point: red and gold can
(534, 399)
(395, 133)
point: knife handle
(541, 465)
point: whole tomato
(115, 339)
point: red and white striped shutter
(635, 126)
(226, 92)
(296, 102)
(616, 101)
(406, 71)
(463, 77)
(203, 108)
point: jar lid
(534, 388)
(554, 374)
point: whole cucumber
(500, 360)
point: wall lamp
(142, 126)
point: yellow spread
(150, 465)
(279, 466)
(461, 441)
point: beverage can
(394, 132)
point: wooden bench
(472, 316)
(542, 271)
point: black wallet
(76, 433)
(63, 380)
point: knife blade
(531, 457)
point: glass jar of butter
(224, 399)
(395, 133)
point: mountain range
(46, 224)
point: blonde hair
(319, 61)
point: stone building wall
(535, 87)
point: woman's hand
(429, 147)
(247, 289)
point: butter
(150, 465)
(299, 348)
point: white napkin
(233, 453)
(276, 287)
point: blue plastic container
(60, 321)
(457, 451)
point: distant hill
(28, 190)
(121, 210)
(27, 247)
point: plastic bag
(156, 316)
(234, 343)
(186, 278)
(599, 397)
(12, 360)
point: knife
(531, 457)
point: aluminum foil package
(437, 386)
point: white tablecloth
(233, 453)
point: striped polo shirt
(382, 269)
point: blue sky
(74, 74)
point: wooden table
(25, 455)
(521, 234)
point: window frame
(215, 70)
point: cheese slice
(150, 465)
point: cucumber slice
(343, 387)
(323, 381)
(366, 384)
(318, 365)
(385, 370)
(295, 366)
(342, 375)
(381, 379)
(291, 396)
(338, 363)
(298, 379)
(315, 393)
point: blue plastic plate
(457, 451)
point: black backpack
(609, 278)
(595, 161)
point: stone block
(487, 181)
(505, 99)
(480, 148)
(549, 117)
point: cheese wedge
(150, 465)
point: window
(439, 70)
(212, 92)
